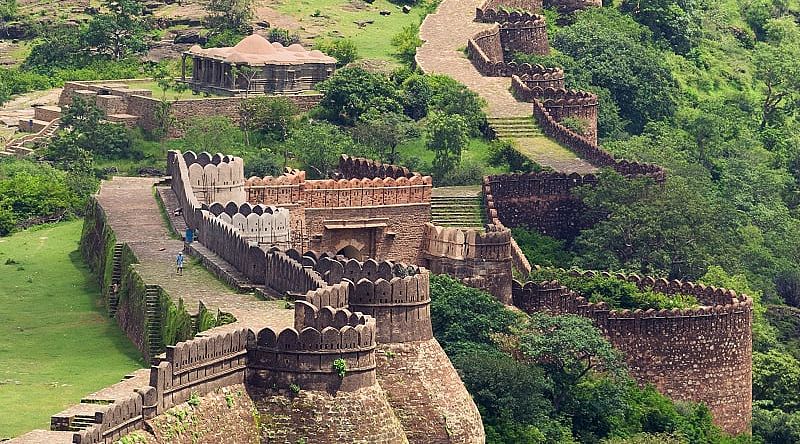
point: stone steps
(116, 278)
(457, 211)
(514, 127)
(153, 321)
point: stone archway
(350, 252)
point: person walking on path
(179, 263)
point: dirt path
(134, 215)
(445, 34)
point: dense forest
(709, 89)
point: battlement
(304, 355)
(570, 6)
(216, 178)
(367, 192)
(683, 352)
(536, 77)
(266, 225)
(502, 11)
(359, 167)
(285, 274)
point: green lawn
(56, 343)
(338, 18)
(158, 92)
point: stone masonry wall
(528, 36)
(701, 355)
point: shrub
(340, 367)
(343, 50)
(578, 125)
(787, 283)
(406, 43)
(283, 36)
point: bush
(465, 173)
(579, 126)
(351, 92)
(540, 249)
(343, 50)
(224, 38)
(283, 36)
(406, 43)
(787, 283)
(618, 294)
(503, 153)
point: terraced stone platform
(134, 214)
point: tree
(272, 116)
(674, 21)
(343, 50)
(283, 36)
(450, 97)
(211, 133)
(103, 139)
(118, 32)
(234, 15)
(447, 137)
(318, 147)
(778, 68)
(416, 96)
(383, 132)
(352, 91)
(787, 283)
(776, 376)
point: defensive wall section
(140, 308)
(701, 354)
(501, 11)
(134, 106)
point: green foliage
(775, 426)
(224, 38)
(776, 376)
(282, 36)
(318, 146)
(503, 153)
(787, 284)
(351, 92)
(92, 134)
(677, 22)
(617, 53)
(416, 95)
(340, 367)
(406, 43)
(211, 133)
(447, 137)
(176, 324)
(294, 388)
(229, 15)
(617, 293)
(462, 315)
(450, 97)
(465, 173)
(118, 32)
(272, 116)
(343, 50)
(540, 249)
(8, 10)
(578, 125)
(29, 191)
(384, 132)
(194, 399)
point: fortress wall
(527, 35)
(359, 167)
(480, 260)
(216, 178)
(485, 50)
(285, 274)
(228, 243)
(304, 355)
(380, 232)
(701, 355)
(560, 103)
(570, 6)
(265, 225)
(541, 201)
(367, 192)
(503, 11)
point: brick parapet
(217, 177)
(701, 354)
(268, 226)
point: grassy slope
(338, 17)
(476, 153)
(56, 343)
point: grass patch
(340, 18)
(476, 153)
(158, 92)
(56, 342)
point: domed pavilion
(256, 66)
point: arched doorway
(350, 252)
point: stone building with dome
(256, 66)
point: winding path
(445, 34)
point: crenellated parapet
(503, 11)
(359, 167)
(266, 225)
(685, 353)
(536, 77)
(527, 35)
(285, 274)
(367, 192)
(217, 177)
(279, 190)
(304, 355)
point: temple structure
(256, 66)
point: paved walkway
(445, 35)
(133, 213)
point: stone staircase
(457, 211)
(24, 145)
(153, 320)
(514, 127)
(116, 278)
(81, 422)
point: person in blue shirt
(179, 263)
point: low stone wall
(358, 168)
(701, 355)
(502, 11)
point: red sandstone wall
(400, 240)
(701, 355)
(528, 36)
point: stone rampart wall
(216, 178)
(502, 11)
(266, 225)
(359, 167)
(702, 354)
(304, 355)
(528, 36)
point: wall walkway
(445, 33)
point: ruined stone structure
(255, 65)
(701, 355)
